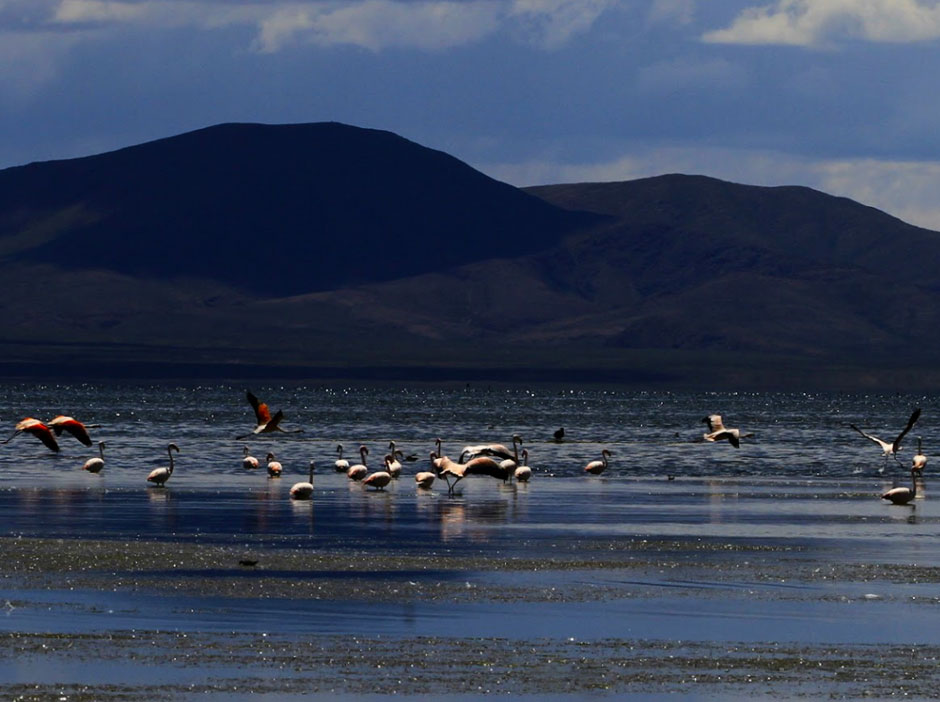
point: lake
(687, 568)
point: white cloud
(681, 11)
(379, 24)
(905, 189)
(81, 11)
(551, 23)
(814, 22)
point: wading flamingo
(359, 471)
(249, 462)
(425, 479)
(94, 465)
(159, 476)
(342, 465)
(380, 478)
(919, 462)
(523, 472)
(274, 467)
(902, 495)
(598, 467)
(303, 491)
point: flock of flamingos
(494, 460)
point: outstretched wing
(882, 444)
(72, 426)
(272, 423)
(262, 413)
(915, 415)
(714, 423)
(44, 434)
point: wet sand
(556, 590)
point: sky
(838, 95)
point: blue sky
(840, 95)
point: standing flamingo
(523, 472)
(902, 495)
(94, 465)
(249, 462)
(392, 464)
(359, 471)
(274, 467)
(37, 429)
(598, 467)
(303, 491)
(159, 476)
(380, 478)
(265, 422)
(919, 461)
(342, 465)
(72, 426)
(425, 479)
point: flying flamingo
(37, 429)
(492, 450)
(919, 462)
(892, 448)
(94, 465)
(598, 467)
(249, 462)
(902, 495)
(159, 476)
(719, 432)
(266, 423)
(523, 472)
(303, 491)
(274, 467)
(359, 471)
(342, 465)
(482, 465)
(72, 426)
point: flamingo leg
(11, 438)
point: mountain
(276, 210)
(325, 250)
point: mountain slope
(276, 210)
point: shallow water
(783, 541)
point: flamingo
(266, 423)
(892, 448)
(359, 471)
(492, 450)
(919, 462)
(73, 427)
(902, 495)
(523, 472)
(719, 432)
(94, 465)
(380, 478)
(598, 467)
(303, 490)
(425, 479)
(342, 465)
(37, 429)
(249, 462)
(159, 476)
(274, 466)
(509, 464)
(392, 464)
(482, 465)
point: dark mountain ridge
(277, 210)
(325, 249)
